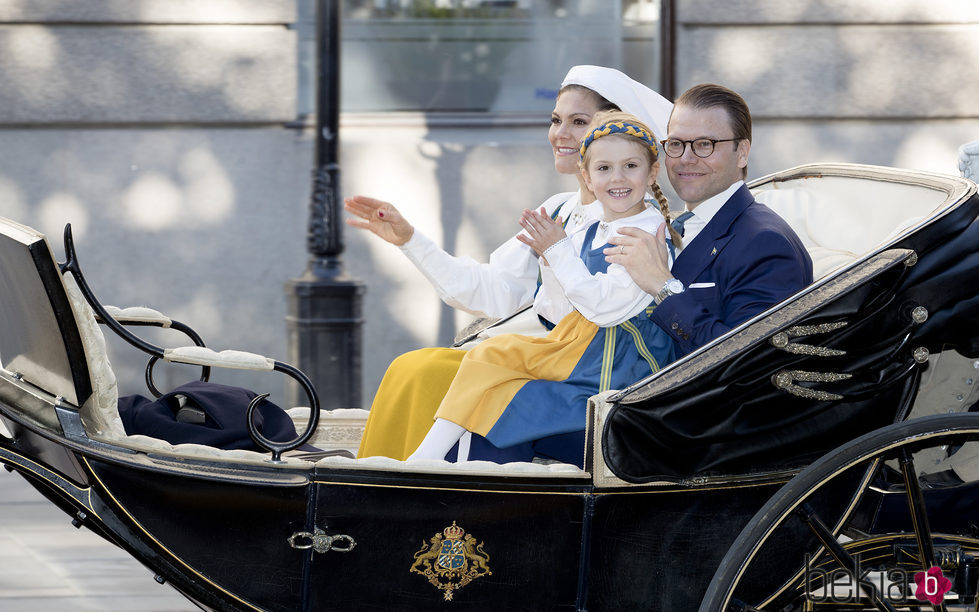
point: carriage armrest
(598, 409)
(525, 322)
(203, 356)
(139, 315)
(240, 360)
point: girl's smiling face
(572, 113)
(618, 172)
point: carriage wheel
(856, 531)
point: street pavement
(47, 565)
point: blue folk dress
(523, 396)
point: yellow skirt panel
(406, 400)
(491, 373)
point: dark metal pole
(667, 59)
(324, 310)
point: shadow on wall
(118, 74)
(449, 162)
(181, 221)
(879, 90)
(157, 130)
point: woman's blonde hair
(624, 125)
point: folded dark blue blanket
(205, 413)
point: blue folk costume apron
(523, 396)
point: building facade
(176, 135)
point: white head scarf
(629, 95)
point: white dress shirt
(704, 212)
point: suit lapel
(699, 254)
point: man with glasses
(737, 256)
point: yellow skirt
(407, 398)
(494, 371)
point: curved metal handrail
(72, 265)
(276, 448)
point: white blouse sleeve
(495, 289)
(607, 298)
(550, 302)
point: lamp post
(324, 305)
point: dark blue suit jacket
(743, 262)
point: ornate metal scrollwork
(320, 542)
(781, 340)
(786, 379)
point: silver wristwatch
(672, 287)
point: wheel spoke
(825, 536)
(919, 515)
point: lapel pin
(714, 252)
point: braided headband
(618, 127)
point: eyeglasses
(702, 147)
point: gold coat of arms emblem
(451, 560)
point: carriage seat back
(840, 219)
(46, 338)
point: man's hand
(643, 255)
(379, 217)
(542, 231)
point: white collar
(709, 207)
(582, 215)
(651, 216)
(650, 212)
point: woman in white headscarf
(415, 383)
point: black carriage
(789, 465)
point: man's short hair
(711, 95)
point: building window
(487, 56)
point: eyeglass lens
(702, 147)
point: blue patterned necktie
(677, 223)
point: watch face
(674, 286)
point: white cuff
(564, 240)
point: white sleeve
(607, 298)
(550, 301)
(495, 289)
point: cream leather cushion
(100, 414)
(837, 227)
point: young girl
(515, 390)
